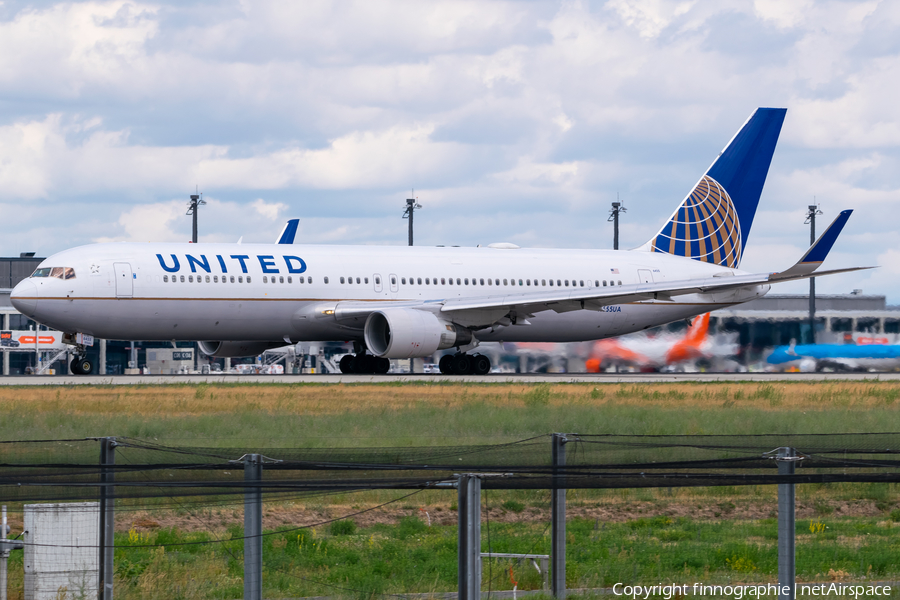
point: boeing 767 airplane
(403, 302)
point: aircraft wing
(518, 306)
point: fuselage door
(645, 275)
(395, 283)
(376, 279)
(124, 280)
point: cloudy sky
(513, 121)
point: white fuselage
(271, 292)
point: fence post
(786, 460)
(253, 528)
(558, 519)
(469, 556)
(107, 517)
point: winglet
(816, 254)
(289, 231)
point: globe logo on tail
(705, 227)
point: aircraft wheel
(346, 363)
(462, 364)
(446, 364)
(481, 364)
(84, 366)
(76, 367)
(382, 365)
(364, 364)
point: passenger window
(393, 281)
(596, 283)
(620, 282)
(427, 281)
(481, 281)
(232, 279)
(567, 283)
(403, 280)
(357, 280)
(280, 279)
(604, 283)
(497, 281)
(207, 279)
(558, 283)
(466, 280)
(520, 282)
(248, 279)
(289, 279)
(504, 282)
(326, 280)
(366, 280)
(301, 279)
(240, 279)
(457, 281)
(419, 281)
(551, 283)
(489, 282)
(165, 279)
(449, 281)
(527, 282)
(377, 280)
(581, 283)
(215, 279)
(265, 279)
(342, 280)
(543, 282)
(442, 281)
(309, 280)
(190, 279)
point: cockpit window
(58, 272)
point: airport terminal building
(760, 324)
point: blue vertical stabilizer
(712, 224)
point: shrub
(343, 527)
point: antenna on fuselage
(196, 201)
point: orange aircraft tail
(689, 347)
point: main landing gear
(465, 364)
(363, 363)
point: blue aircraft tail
(713, 222)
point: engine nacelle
(411, 333)
(236, 349)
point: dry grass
(315, 399)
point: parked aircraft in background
(809, 358)
(655, 352)
(403, 302)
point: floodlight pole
(411, 206)
(813, 210)
(196, 201)
(614, 217)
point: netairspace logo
(669, 591)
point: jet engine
(411, 333)
(236, 349)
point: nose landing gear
(465, 364)
(81, 366)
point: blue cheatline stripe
(823, 245)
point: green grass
(412, 557)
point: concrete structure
(61, 550)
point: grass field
(845, 532)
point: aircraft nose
(24, 297)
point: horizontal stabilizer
(816, 254)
